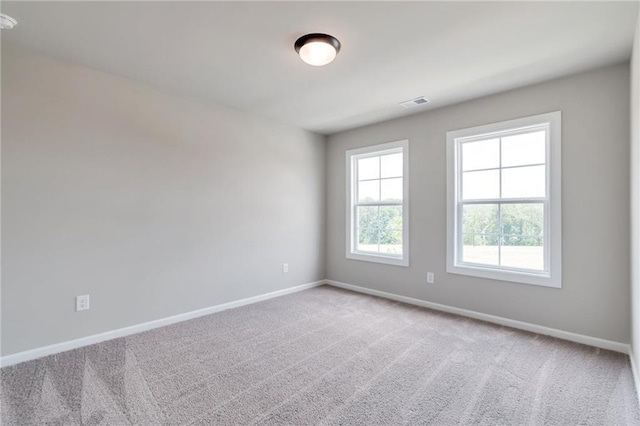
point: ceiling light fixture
(7, 22)
(317, 49)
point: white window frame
(352, 156)
(552, 274)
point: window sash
(459, 142)
(353, 156)
(355, 228)
(545, 235)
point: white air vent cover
(415, 102)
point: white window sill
(532, 278)
(387, 260)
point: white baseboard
(138, 328)
(122, 332)
(539, 329)
(636, 373)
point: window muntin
(377, 213)
(503, 191)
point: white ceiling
(240, 54)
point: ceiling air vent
(415, 102)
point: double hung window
(504, 201)
(377, 213)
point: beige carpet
(325, 356)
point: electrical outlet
(431, 278)
(82, 303)
(285, 268)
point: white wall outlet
(431, 278)
(82, 303)
(285, 268)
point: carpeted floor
(325, 356)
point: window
(503, 201)
(377, 212)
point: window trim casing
(351, 156)
(553, 225)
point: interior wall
(635, 198)
(595, 209)
(153, 205)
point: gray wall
(635, 197)
(594, 300)
(154, 205)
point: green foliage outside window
(522, 224)
(380, 225)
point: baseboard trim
(636, 373)
(31, 354)
(539, 329)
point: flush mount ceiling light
(317, 49)
(7, 22)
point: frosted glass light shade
(7, 22)
(317, 49)
(317, 53)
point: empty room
(320, 213)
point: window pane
(391, 189)
(522, 220)
(391, 165)
(368, 240)
(481, 155)
(480, 219)
(369, 190)
(528, 148)
(481, 185)
(369, 168)
(391, 242)
(482, 249)
(368, 217)
(380, 229)
(391, 217)
(391, 230)
(523, 182)
(526, 253)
